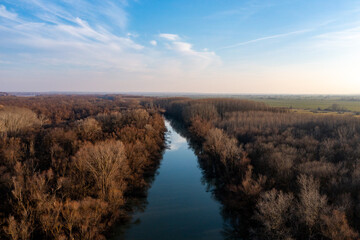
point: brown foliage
(218, 144)
(13, 119)
(252, 187)
(311, 203)
(105, 165)
(274, 212)
(70, 179)
(200, 128)
(336, 227)
(319, 152)
(89, 129)
(204, 111)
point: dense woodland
(70, 164)
(278, 174)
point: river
(179, 204)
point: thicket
(69, 164)
(279, 174)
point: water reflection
(236, 213)
(179, 205)
(175, 140)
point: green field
(321, 103)
(347, 103)
(312, 104)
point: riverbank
(179, 204)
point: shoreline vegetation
(279, 174)
(70, 164)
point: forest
(278, 174)
(70, 164)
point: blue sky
(208, 46)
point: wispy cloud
(201, 58)
(61, 37)
(187, 49)
(56, 12)
(282, 35)
(349, 37)
(6, 14)
(245, 10)
(169, 36)
(74, 38)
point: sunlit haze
(250, 46)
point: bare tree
(274, 212)
(105, 163)
(14, 119)
(311, 203)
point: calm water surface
(179, 206)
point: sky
(187, 46)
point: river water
(179, 205)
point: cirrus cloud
(51, 39)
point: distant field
(306, 102)
(310, 103)
(351, 104)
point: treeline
(279, 174)
(70, 164)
